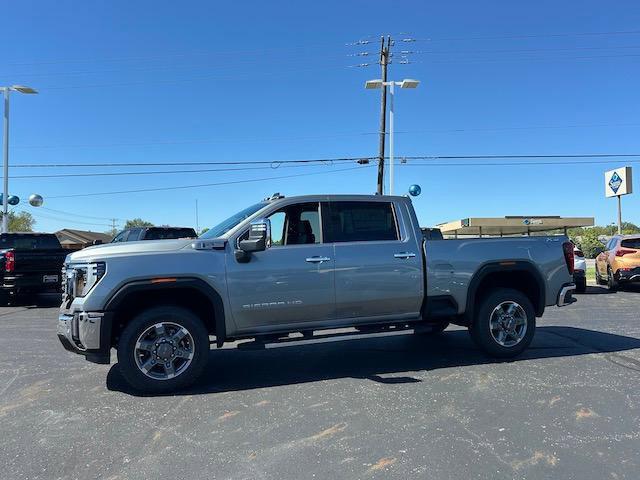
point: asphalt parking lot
(386, 406)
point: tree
(589, 242)
(629, 228)
(137, 222)
(20, 222)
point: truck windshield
(232, 221)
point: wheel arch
(518, 275)
(192, 293)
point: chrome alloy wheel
(164, 350)
(508, 324)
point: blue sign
(615, 182)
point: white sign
(618, 182)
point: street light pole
(5, 180)
(382, 84)
(391, 97)
(5, 170)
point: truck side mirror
(259, 237)
(97, 242)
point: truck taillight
(567, 247)
(624, 251)
(9, 261)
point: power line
(191, 142)
(571, 155)
(534, 35)
(182, 187)
(165, 172)
(503, 164)
(165, 56)
(191, 79)
(527, 59)
(302, 48)
(314, 137)
(172, 67)
(524, 50)
(77, 222)
(328, 161)
(75, 214)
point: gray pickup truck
(297, 266)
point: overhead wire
(182, 187)
(315, 137)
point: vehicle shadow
(42, 300)
(595, 290)
(370, 357)
(601, 290)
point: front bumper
(86, 333)
(565, 296)
(627, 275)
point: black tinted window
(631, 243)
(29, 242)
(169, 233)
(361, 221)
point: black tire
(481, 331)
(127, 351)
(612, 285)
(581, 285)
(599, 280)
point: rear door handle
(404, 255)
(317, 259)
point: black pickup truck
(30, 263)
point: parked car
(619, 262)
(303, 264)
(580, 270)
(153, 233)
(30, 263)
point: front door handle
(404, 255)
(317, 259)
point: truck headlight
(86, 277)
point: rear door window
(631, 243)
(361, 222)
(29, 242)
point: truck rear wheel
(163, 349)
(504, 323)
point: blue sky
(202, 81)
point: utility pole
(384, 62)
(197, 222)
(113, 226)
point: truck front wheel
(163, 349)
(504, 323)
